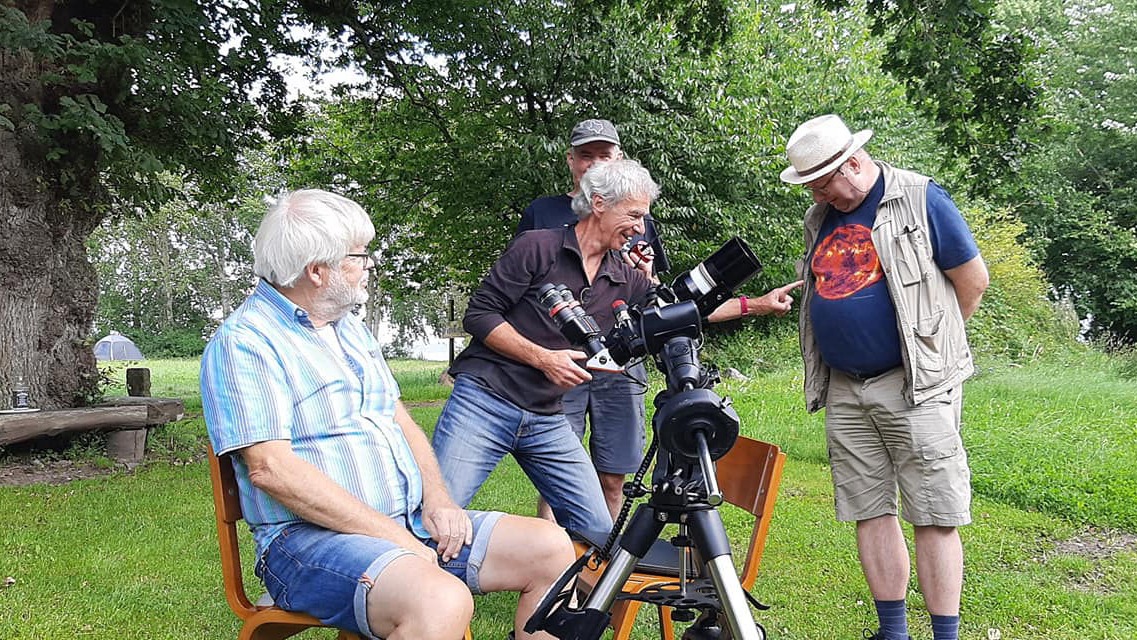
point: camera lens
(715, 279)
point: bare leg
(414, 599)
(544, 511)
(613, 486)
(526, 555)
(939, 568)
(884, 557)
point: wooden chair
(260, 622)
(749, 476)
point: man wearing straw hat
(891, 274)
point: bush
(180, 342)
(1016, 321)
(753, 347)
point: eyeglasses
(824, 187)
(369, 260)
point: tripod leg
(709, 536)
(640, 534)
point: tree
(166, 278)
(454, 137)
(969, 74)
(95, 99)
(1076, 193)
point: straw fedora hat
(819, 146)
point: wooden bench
(126, 422)
(127, 419)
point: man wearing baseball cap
(891, 274)
(591, 141)
(612, 403)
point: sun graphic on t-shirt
(845, 262)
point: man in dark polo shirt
(611, 403)
(510, 379)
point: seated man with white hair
(352, 521)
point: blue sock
(893, 616)
(945, 627)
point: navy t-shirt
(552, 212)
(850, 284)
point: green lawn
(1051, 554)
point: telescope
(693, 427)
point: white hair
(306, 227)
(614, 182)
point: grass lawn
(1051, 553)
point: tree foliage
(165, 279)
(1016, 319)
(969, 74)
(464, 131)
(1076, 192)
(130, 89)
(97, 99)
(460, 121)
(452, 138)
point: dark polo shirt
(509, 294)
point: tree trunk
(47, 286)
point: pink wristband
(742, 304)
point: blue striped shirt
(266, 375)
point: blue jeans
(477, 428)
(328, 574)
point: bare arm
(558, 365)
(446, 522)
(970, 280)
(304, 489)
(777, 301)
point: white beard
(340, 298)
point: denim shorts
(328, 574)
(614, 406)
(879, 445)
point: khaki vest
(933, 343)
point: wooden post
(138, 382)
(129, 445)
(451, 338)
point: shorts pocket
(274, 586)
(947, 479)
(946, 447)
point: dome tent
(116, 346)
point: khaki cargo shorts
(879, 444)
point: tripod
(693, 427)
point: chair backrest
(749, 476)
(227, 507)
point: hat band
(827, 160)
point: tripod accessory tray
(700, 594)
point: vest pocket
(908, 245)
(929, 343)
